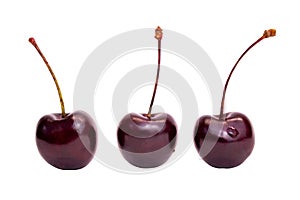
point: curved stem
(267, 33)
(158, 36)
(32, 41)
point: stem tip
(32, 40)
(158, 33)
(269, 33)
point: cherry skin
(67, 142)
(227, 143)
(147, 142)
(226, 140)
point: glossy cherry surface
(147, 142)
(69, 142)
(65, 141)
(226, 140)
(224, 143)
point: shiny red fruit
(224, 143)
(147, 142)
(67, 142)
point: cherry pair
(69, 141)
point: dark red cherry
(226, 140)
(148, 140)
(224, 143)
(65, 141)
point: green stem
(32, 41)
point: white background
(264, 87)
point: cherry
(65, 140)
(148, 140)
(226, 140)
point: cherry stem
(32, 41)
(158, 36)
(267, 33)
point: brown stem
(267, 33)
(158, 36)
(32, 41)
